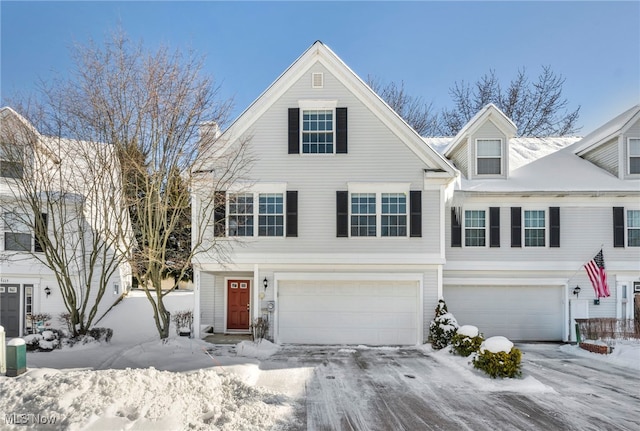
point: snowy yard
(136, 383)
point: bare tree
(412, 109)
(537, 108)
(63, 209)
(149, 107)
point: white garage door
(348, 312)
(520, 313)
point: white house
(27, 285)
(526, 217)
(350, 226)
(337, 235)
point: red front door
(238, 300)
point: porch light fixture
(265, 283)
(47, 290)
(576, 291)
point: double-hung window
(363, 214)
(489, 156)
(241, 215)
(317, 131)
(534, 228)
(17, 236)
(475, 224)
(394, 214)
(270, 214)
(633, 151)
(11, 161)
(633, 228)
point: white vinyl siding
(460, 158)
(207, 299)
(605, 156)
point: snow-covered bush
(45, 342)
(101, 334)
(184, 321)
(466, 341)
(498, 358)
(443, 327)
(32, 341)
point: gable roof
(609, 130)
(320, 53)
(489, 111)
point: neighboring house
(27, 286)
(526, 217)
(337, 235)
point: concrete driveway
(408, 389)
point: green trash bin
(16, 357)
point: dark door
(238, 300)
(10, 309)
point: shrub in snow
(50, 339)
(65, 318)
(498, 358)
(32, 342)
(101, 334)
(259, 329)
(443, 327)
(466, 341)
(184, 321)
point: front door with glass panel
(238, 304)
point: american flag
(597, 275)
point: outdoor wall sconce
(47, 290)
(265, 283)
(596, 301)
(576, 291)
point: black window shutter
(38, 247)
(341, 130)
(292, 213)
(516, 227)
(456, 229)
(494, 226)
(415, 216)
(219, 213)
(618, 226)
(554, 226)
(294, 130)
(342, 214)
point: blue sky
(429, 45)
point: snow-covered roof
(561, 171)
(609, 130)
(522, 150)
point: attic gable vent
(317, 80)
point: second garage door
(348, 312)
(520, 313)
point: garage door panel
(348, 312)
(526, 313)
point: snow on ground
(137, 382)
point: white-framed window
(534, 228)
(633, 155)
(17, 235)
(394, 214)
(11, 161)
(271, 214)
(241, 215)
(633, 228)
(318, 131)
(475, 228)
(363, 214)
(489, 156)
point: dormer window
(11, 161)
(489, 156)
(633, 151)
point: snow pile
(496, 344)
(468, 331)
(625, 354)
(143, 399)
(262, 350)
